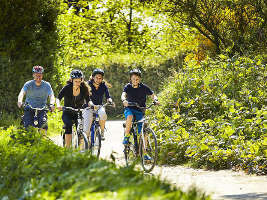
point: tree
(238, 25)
(27, 37)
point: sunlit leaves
(221, 111)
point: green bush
(35, 168)
(28, 37)
(214, 115)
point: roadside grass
(35, 168)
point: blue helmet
(76, 74)
(98, 71)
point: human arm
(52, 101)
(155, 99)
(20, 97)
(60, 96)
(124, 99)
(108, 97)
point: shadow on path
(248, 196)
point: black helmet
(76, 74)
(98, 71)
(38, 69)
(136, 72)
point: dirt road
(221, 185)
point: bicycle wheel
(83, 141)
(130, 152)
(96, 142)
(75, 139)
(63, 138)
(148, 149)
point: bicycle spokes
(148, 149)
(95, 145)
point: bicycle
(95, 136)
(45, 108)
(146, 144)
(78, 136)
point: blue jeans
(137, 116)
(28, 118)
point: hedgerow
(214, 115)
(35, 168)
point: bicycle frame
(96, 127)
(79, 127)
(144, 145)
(36, 110)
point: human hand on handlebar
(156, 102)
(125, 103)
(59, 108)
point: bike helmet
(76, 74)
(98, 71)
(136, 72)
(38, 69)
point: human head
(38, 74)
(76, 77)
(135, 77)
(98, 75)
(136, 72)
(98, 71)
(38, 69)
(76, 73)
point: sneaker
(102, 136)
(147, 157)
(126, 140)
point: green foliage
(238, 26)
(104, 27)
(55, 123)
(35, 168)
(214, 115)
(27, 37)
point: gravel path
(221, 185)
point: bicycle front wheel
(83, 141)
(96, 142)
(148, 149)
(129, 154)
(75, 139)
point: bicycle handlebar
(131, 104)
(82, 109)
(46, 108)
(73, 109)
(104, 105)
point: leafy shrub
(35, 168)
(214, 115)
(28, 37)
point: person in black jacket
(99, 88)
(76, 95)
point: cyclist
(99, 88)
(76, 95)
(37, 91)
(136, 92)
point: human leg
(68, 121)
(103, 117)
(87, 121)
(129, 118)
(42, 122)
(28, 117)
